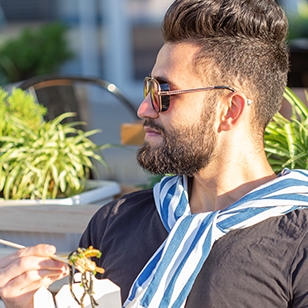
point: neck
(214, 189)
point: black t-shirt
(264, 265)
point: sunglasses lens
(151, 87)
(154, 89)
(165, 99)
(160, 103)
(146, 86)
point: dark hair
(243, 40)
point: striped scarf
(167, 278)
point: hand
(25, 271)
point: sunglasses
(160, 93)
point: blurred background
(113, 39)
(116, 40)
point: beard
(185, 151)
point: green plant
(21, 105)
(34, 52)
(46, 160)
(298, 20)
(298, 27)
(286, 141)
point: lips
(151, 132)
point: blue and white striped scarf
(167, 278)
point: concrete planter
(58, 222)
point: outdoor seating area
(61, 222)
(85, 85)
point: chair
(102, 105)
(58, 92)
(73, 93)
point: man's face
(185, 150)
(182, 139)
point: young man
(225, 231)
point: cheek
(186, 119)
(187, 110)
(180, 114)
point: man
(225, 231)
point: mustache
(151, 123)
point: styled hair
(243, 41)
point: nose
(146, 109)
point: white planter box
(59, 222)
(99, 192)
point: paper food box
(106, 294)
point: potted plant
(43, 160)
(46, 194)
(286, 139)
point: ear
(233, 107)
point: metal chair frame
(39, 82)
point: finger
(42, 250)
(16, 296)
(23, 301)
(12, 296)
(27, 264)
(24, 264)
(23, 272)
(38, 250)
(29, 282)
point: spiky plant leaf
(46, 160)
(286, 140)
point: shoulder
(299, 263)
(129, 213)
(292, 226)
(128, 203)
(279, 236)
(267, 260)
